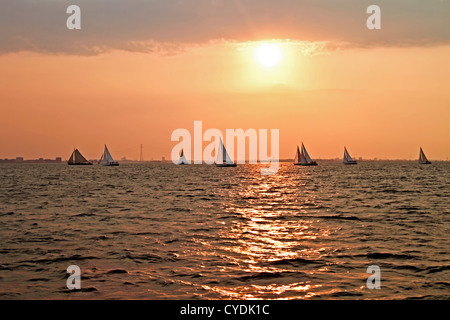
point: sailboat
(347, 158)
(422, 158)
(106, 159)
(222, 158)
(303, 159)
(182, 158)
(77, 159)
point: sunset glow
(325, 92)
(212, 150)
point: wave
(385, 255)
(267, 275)
(148, 258)
(60, 259)
(117, 271)
(10, 213)
(293, 262)
(437, 269)
(336, 217)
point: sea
(161, 231)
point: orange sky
(379, 102)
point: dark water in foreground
(159, 231)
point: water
(160, 231)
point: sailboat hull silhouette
(306, 164)
(226, 165)
(115, 164)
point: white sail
(222, 157)
(297, 156)
(110, 159)
(422, 158)
(182, 159)
(226, 157)
(304, 157)
(104, 158)
(107, 159)
(347, 157)
(219, 155)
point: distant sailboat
(77, 159)
(347, 158)
(422, 158)
(182, 158)
(303, 159)
(223, 159)
(106, 159)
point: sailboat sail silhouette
(302, 158)
(422, 158)
(77, 159)
(222, 158)
(347, 158)
(182, 159)
(106, 159)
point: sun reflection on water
(268, 235)
(272, 292)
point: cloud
(168, 26)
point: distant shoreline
(57, 161)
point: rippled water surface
(160, 231)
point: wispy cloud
(169, 26)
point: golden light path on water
(265, 235)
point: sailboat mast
(224, 154)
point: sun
(268, 54)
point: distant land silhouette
(40, 160)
